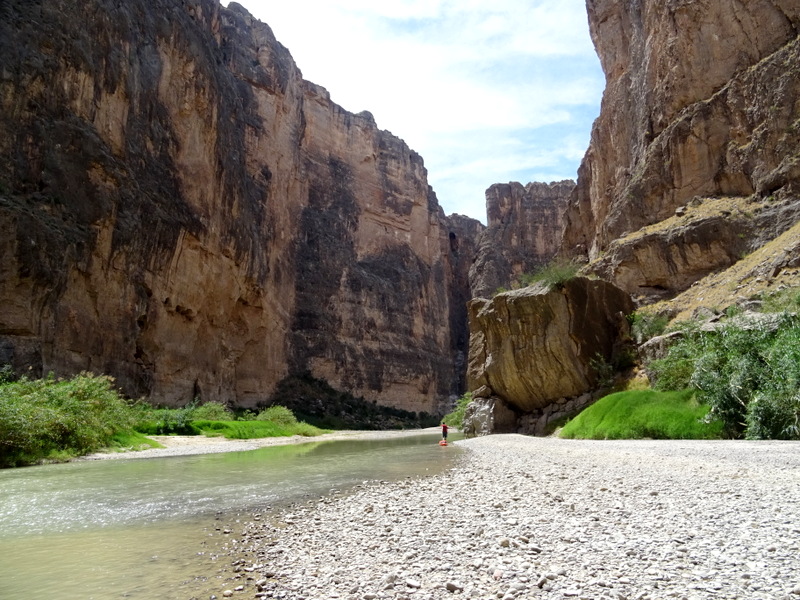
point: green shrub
(55, 419)
(553, 274)
(641, 414)
(456, 417)
(165, 421)
(774, 416)
(674, 372)
(7, 374)
(748, 375)
(603, 370)
(211, 411)
(277, 414)
(645, 325)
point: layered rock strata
(701, 101)
(524, 232)
(532, 347)
(181, 209)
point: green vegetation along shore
(738, 377)
(735, 375)
(54, 420)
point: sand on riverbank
(185, 445)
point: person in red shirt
(444, 431)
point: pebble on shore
(544, 518)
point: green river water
(150, 528)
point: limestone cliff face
(181, 209)
(524, 232)
(701, 102)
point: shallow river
(149, 528)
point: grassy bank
(53, 420)
(644, 414)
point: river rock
(724, 524)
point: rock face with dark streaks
(701, 102)
(179, 208)
(524, 232)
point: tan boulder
(534, 346)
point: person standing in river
(444, 431)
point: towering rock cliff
(524, 232)
(701, 102)
(181, 209)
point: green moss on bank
(644, 414)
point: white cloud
(484, 91)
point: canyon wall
(701, 103)
(180, 209)
(524, 232)
(693, 170)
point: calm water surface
(149, 528)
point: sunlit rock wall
(181, 209)
(524, 231)
(702, 100)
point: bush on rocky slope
(747, 371)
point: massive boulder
(538, 346)
(180, 209)
(701, 102)
(524, 232)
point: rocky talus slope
(709, 97)
(180, 209)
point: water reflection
(133, 528)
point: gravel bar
(523, 517)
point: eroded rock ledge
(700, 104)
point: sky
(486, 91)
